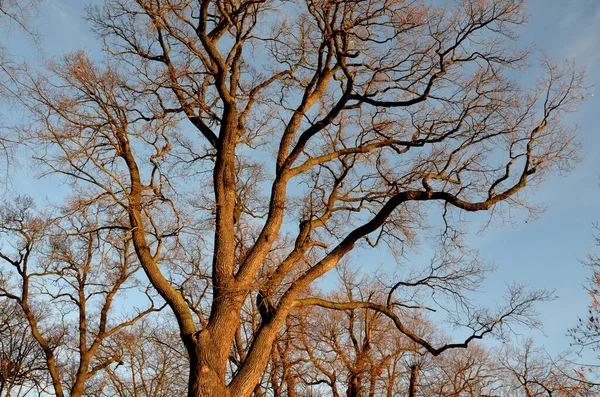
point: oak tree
(248, 147)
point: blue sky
(545, 252)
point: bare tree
(587, 331)
(22, 371)
(314, 129)
(18, 14)
(531, 372)
(153, 362)
(468, 372)
(66, 283)
(353, 352)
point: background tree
(587, 332)
(18, 14)
(353, 353)
(368, 117)
(464, 372)
(357, 352)
(531, 372)
(22, 371)
(153, 362)
(66, 276)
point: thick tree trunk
(209, 349)
(207, 373)
(354, 386)
(78, 387)
(414, 374)
(205, 384)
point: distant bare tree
(18, 14)
(531, 372)
(587, 332)
(468, 372)
(153, 363)
(22, 370)
(66, 275)
(354, 352)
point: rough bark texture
(414, 379)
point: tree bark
(207, 374)
(414, 374)
(78, 388)
(354, 386)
